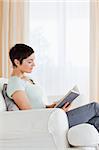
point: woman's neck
(17, 72)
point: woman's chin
(30, 71)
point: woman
(28, 95)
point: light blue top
(34, 92)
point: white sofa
(43, 129)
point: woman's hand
(66, 106)
(52, 105)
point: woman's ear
(17, 63)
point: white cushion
(2, 102)
(2, 81)
(83, 135)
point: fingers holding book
(66, 106)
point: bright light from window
(59, 33)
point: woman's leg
(83, 114)
(95, 121)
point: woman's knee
(96, 107)
(94, 103)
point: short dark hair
(20, 52)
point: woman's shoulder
(14, 84)
(14, 79)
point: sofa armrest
(47, 127)
(58, 127)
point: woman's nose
(34, 64)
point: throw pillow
(10, 104)
(83, 135)
(2, 103)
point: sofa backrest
(2, 101)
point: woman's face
(27, 64)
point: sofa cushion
(2, 103)
(2, 81)
(83, 135)
(11, 106)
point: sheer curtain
(59, 34)
(94, 50)
(13, 27)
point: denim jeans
(85, 114)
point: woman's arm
(65, 107)
(21, 99)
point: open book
(69, 97)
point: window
(59, 34)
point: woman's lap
(83, 114)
